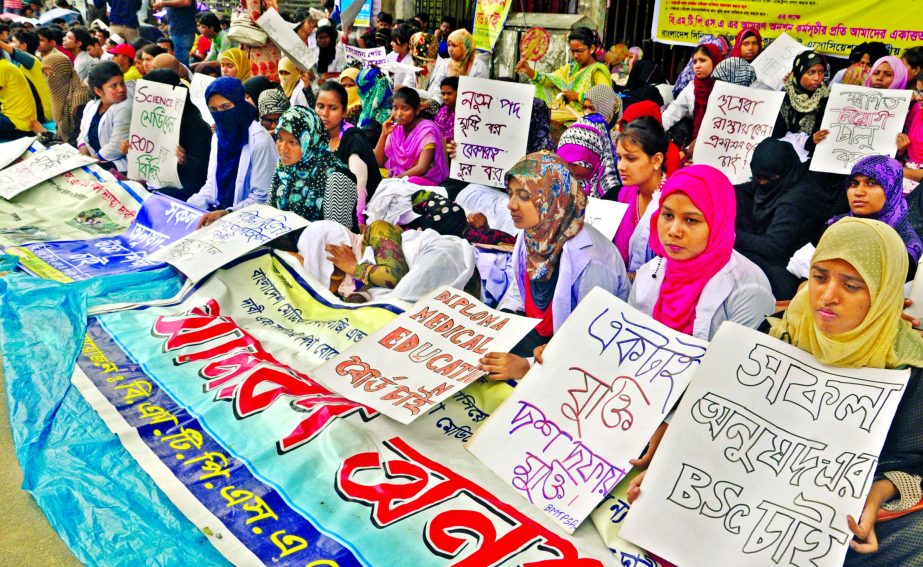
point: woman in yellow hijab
(288, 75)
(348, 80)
(235, 63)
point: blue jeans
(182, 44)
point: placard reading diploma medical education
(491, 129)
(767, 453)
(862, 121)
(226, 239)
(564, 437)
(423, 356)
(736, 120)
(155, 122)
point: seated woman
(602, 100)
(693, 99)
(699, 281)
(641, 148)
(353, 103)
(687, 74)
(107, 118)
(243, 155)
(291, 83)
(424, 48)
(310, 180)
(271, 105)
(558, 258)
(69, 94)
(805, 100)
(849, 316)
(887, 73)
(331, 58)
(735, 70)
(778, 212)
(445, 117)
(462, 62)
(673, 160)
(587, 149)
(235, 63)
(349, 143)
(375, 93)
(748, 44)
(875, 191)
(17, 105)
(400, 53)
(410, 146)
(570, 83)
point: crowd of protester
(365, 154)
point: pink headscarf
(915, 132)
(712, 193)
(897, 67)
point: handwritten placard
(155, 120)
(534, 43)
(767, 453)
(862, 121)
(283, 34)
(605, 216)
(197, 87)
(39, 167)
(424, 356)
(368, 57)
(491, 130)
(736, 120)
(11, 151)
(775, 62)
(564, 437)
(226, 239)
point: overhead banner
(489, 19)
(766, 455)
(216, 401)
(160, 221)
(824, 26)
(156, 113)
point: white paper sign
(491, 129)
(156, 114)
(915, 309)
(40, 166)
(368, 57)
(767, 453)
(423, 356)
(564, 437)
(197, 87)
(862, 121)
(11, 151)
(736, 120)
(605, 216)
(198, 254)
(775, 62)
(283, 34)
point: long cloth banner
(160, 221)
(828, 27)
(214, 399)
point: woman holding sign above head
(558, 259)
(565, 89)
(107, 118)
(243, 155)
(410, 146)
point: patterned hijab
(458, 68)
(240, 60)
(856, 75)
(560, 204)
(889, 173)
(289, 81)
(375, 92)
(605, 101)
(424, 48)
(735, 70)
(897, 68)
(799, 108)
(584, 144)
(69, 91)
(273, 101)
(539, 128)
(882, 339)
(301, 187)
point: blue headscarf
(232, 127)
(375, 93)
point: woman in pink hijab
(887, 73)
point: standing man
(181, 17)
(78, 41)
(123, 17)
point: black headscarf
(801, 108)
(255, 86)
(778, 162)
(326, 54)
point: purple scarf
(402, 151)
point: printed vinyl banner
(489, 19)
(766, 455)
(160, 221)
(823, 25)
(214, 398)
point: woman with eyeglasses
(243, 154)
(271, 105)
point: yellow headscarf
(240, 60)
(353, 91)
(459, 68)
(290, 81)
(883, 339)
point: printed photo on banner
(774, 63)
(736, 120)
(156, 113)
(424, 356)
(767, 453)
(40, 166)
(862, 121)
(608, 379)
(207, 249)
(283, 34)
(489, 132)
